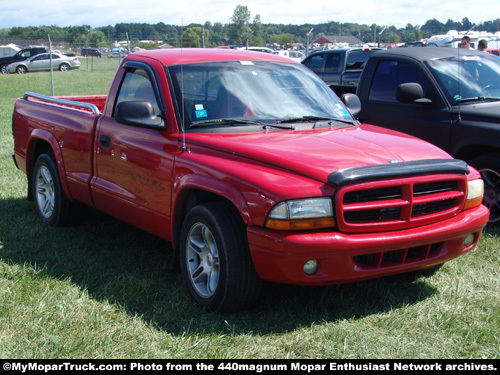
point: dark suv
(91, 52)
(21, 55)
(340, 68)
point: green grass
(104, 289)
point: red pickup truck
(254, 170)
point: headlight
(475, 192)
(302, 214)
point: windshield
(255, 92)
(468, 77)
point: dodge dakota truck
(447, 96)
(252, 168)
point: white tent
(8, 50)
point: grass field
(104, 289)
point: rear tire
(215, 260)
(64, 67)
(51, 204)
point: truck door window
(136, 86)
(332, 63)
(389, 75)
(356, 60)
(315, 62)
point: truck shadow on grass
(119, 264)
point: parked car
(21, 55)
(91, 52)
(42, 62)
(117, 54)
(252, 168)
(340, 68)
(294, 55)
(493, 51)
(447, 96)
(259, 49)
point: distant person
(482, 45)
(465, 42)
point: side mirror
(352, 103)
(411, 93)
(137, 113)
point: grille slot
(391, 192)
(434, 187)
(398, 257)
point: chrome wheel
(215, 259)
(202, 260)
(45, 193)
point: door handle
(104, 141)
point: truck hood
(486, 111)
(317, 153)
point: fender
(477, 143)
(44, 135)
(186, 183)
(214, 186)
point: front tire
(51, 204)
(215, 260)
(489, 167)
(21, 69)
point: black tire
(21, 69)
(215, 260)
(51, 204)
(3, 68)
(489, 167)
(64, 67)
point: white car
(294, 55)
(41, 62)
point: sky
(97, 13)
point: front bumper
(280, 256)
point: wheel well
(40, 147)
(471, 152)
(188, 200)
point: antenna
(183, 130)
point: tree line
(241, 30)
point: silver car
(41, 62)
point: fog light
(310, 267)
(469, 240)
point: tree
(394, 38)
(256, 27)
(284, 40)
(192, 37)
(239, 30)
(466, 24)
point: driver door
(132, 167)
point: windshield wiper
(289, 127)
(226, 121)
(303, 119)
(477, 99)
(315, 118)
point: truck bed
(91, 103)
